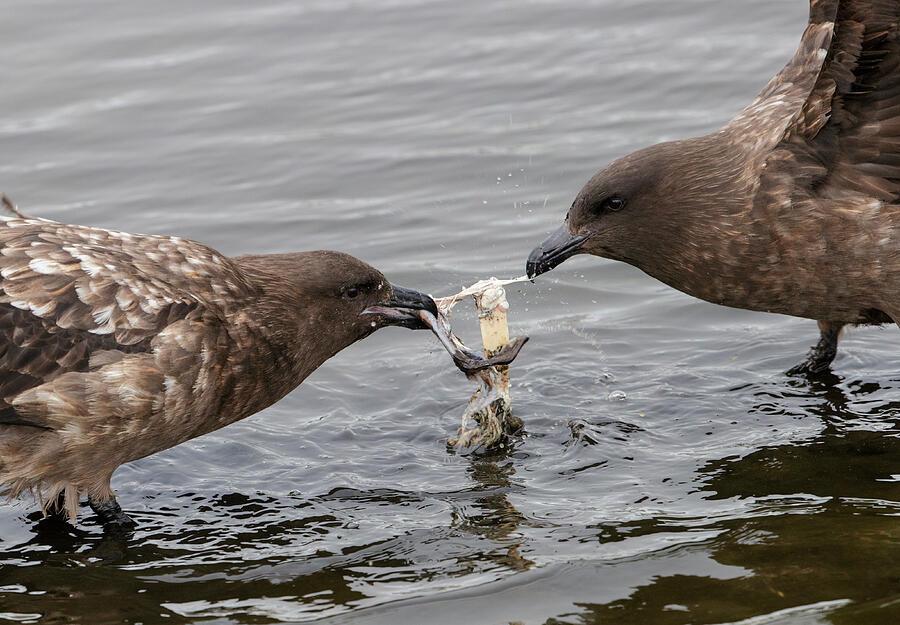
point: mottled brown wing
(768, 117)
(844, 142)
(73, 298)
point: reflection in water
(334, 576)
(490, 514)
(822, 522)
(174, 563)
(810, 521)
(55, 534)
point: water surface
(671, 473)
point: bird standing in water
(114, 346)
(792, 207)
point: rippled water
(671, 473)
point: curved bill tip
(555, 249)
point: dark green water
(671, 473)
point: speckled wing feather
(766, 120)
(102, 329)
(843, 143)
(110, 283)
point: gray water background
(671, 473)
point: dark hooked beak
(554, 250)
(402, 309)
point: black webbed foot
(111, 515)
(822, 354)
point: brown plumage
(114, 346)
(792, 207)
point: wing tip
(10, 209)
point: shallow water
(671, 473)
